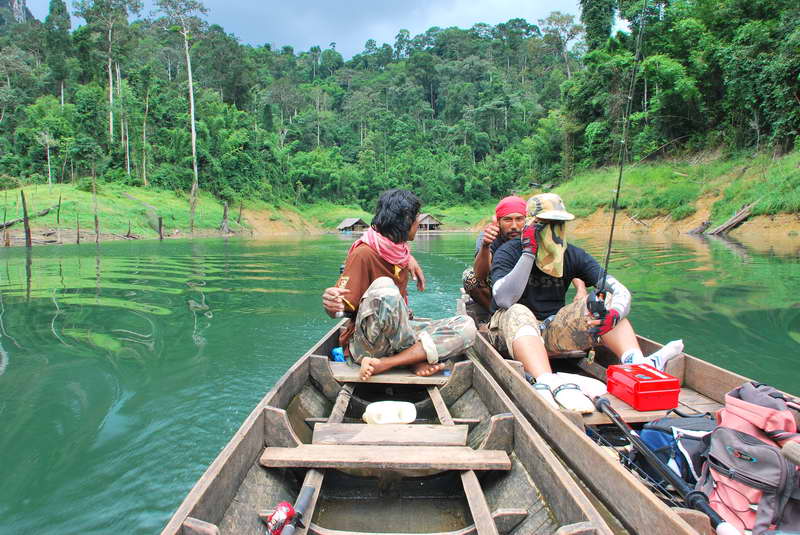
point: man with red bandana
(507, 224)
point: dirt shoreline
(779, 233)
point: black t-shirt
(545, 295)
(495, 245)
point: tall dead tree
(182, 16)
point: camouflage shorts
(471, 282)
(566, 331)
(383, 327)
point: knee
(381, 288)
(382, 283)
(468, 330)
(521, 314)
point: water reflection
(124, 368)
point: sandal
(570, 397)
(588, 385)
(544, 391)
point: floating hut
(352, 224)
(428, 222)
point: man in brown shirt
(372, 292)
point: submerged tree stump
(701, 228)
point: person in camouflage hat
(507, 223)
(372, 292)
(530, 317)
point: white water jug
(390, 412)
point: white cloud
(350, 23)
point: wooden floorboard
(385, 457)
(689, 401)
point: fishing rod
(694, 498)
(597, 304)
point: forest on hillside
(457, 115)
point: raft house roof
(351, 222)
(428, 219)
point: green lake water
(125, 368)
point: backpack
(678, 442)
(747, 480)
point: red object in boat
(280, 517)
(643, 387)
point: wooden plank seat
(344, 372)
(390, 434)
(689, 401)
(385, 457)
(470, 422)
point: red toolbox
(643, 387)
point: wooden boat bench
(390, 434)
(398, 446)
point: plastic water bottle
(337, 354)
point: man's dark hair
(396, 212)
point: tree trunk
(62, 93)
(49, 170)
(94, 199)
(566, 63)
(25, 220)
(224, 227)
(110, 90)
(144, 136)
(193, 197)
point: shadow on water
(126, 367)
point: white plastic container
(390, 412)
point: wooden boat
(470, 463)
(626, 494)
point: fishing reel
(596, 303)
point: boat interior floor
(453, 471)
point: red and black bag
(747, 480)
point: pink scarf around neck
(397, 254)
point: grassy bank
(117, 207)
(667, 188)
(673, 188)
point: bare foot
(423, 369)
(370, 366)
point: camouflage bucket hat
(548, 206)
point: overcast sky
(350, 23)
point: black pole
(300, 508)
(694, 498)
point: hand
(415, 270)
(528, 237)
(332, 300)
(603, 326)
(490, 233)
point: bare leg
(482, 296)
(621, 338)
(413, 355)
(530, 351)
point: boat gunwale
(640, 510)
(196, 504)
